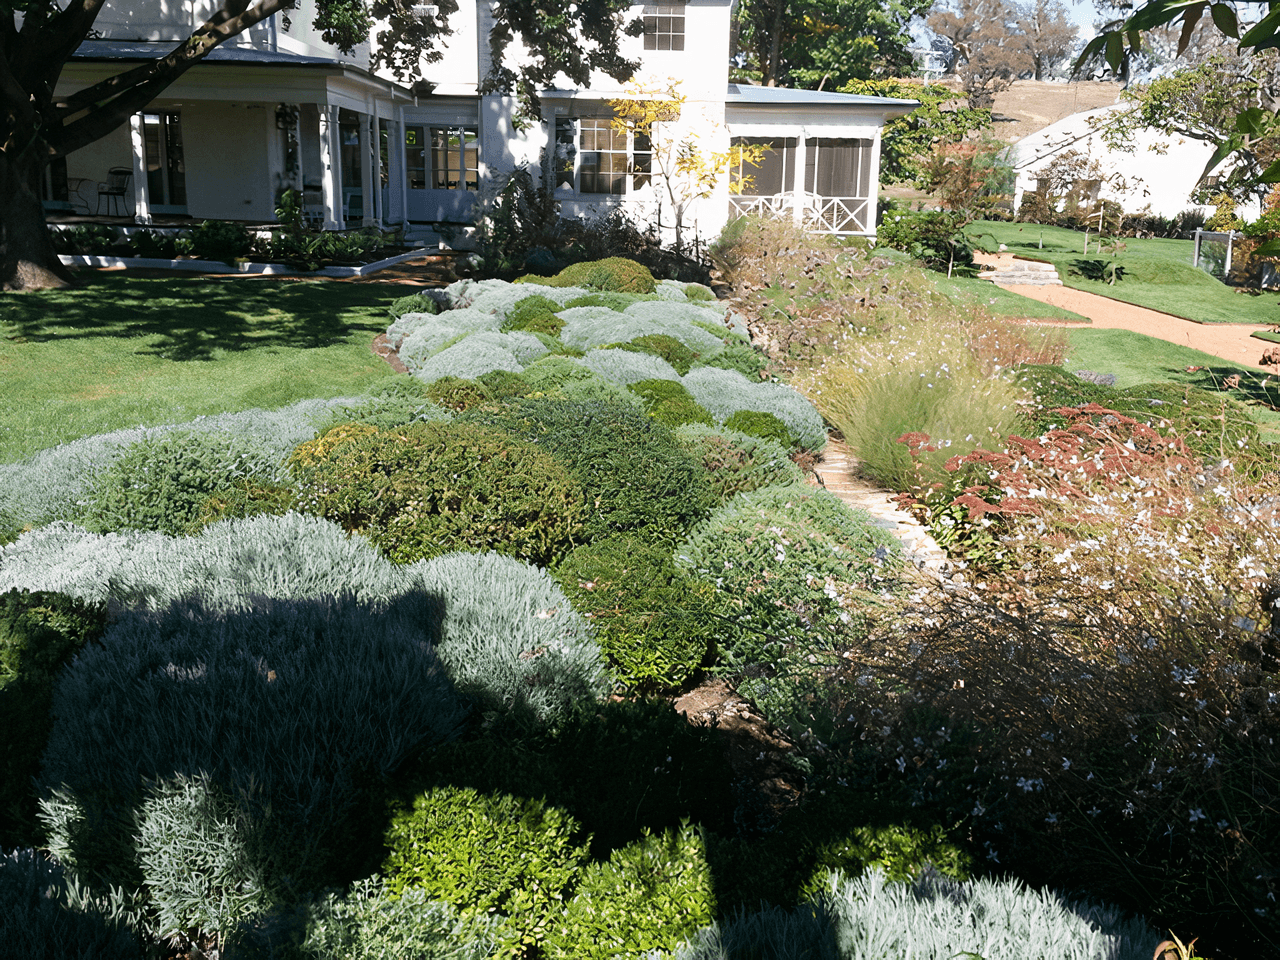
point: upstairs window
(664, 26)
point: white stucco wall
(230, 176)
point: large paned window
(664, 26)
(591, 157)
(441, 158)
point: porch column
(366, 172)
(799, 198)
(330, 174)
(873, 186)
(141, 200)
(375, 126)
(402, 161)
(394, 206)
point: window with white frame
(592, 157)
(664, 26)
(455, 154)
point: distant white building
(277, 108)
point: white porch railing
(842, 216)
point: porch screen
(776, 172)
(838, 168)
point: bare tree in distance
(989, 51)
(1050, 35)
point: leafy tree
(906, 142)
(38, 37)
(824, 44)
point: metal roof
(787, 97)
(154, 49)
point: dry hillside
(1031, 105)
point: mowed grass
(119, 351)
(1157, 273)
(1137, 359)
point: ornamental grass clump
(726, 392)
(510, 637)
(428, 489)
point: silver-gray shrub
(510, 636)
(624, 366)
(227, 566)
(470, 358)
(422, 335)
(931, 918)
(671, 290)
(370, 923)
(500, 301)
(725, 392)
(289, 708)
(588, 327)
(40, 918)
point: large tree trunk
(27, 257)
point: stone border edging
(247, 268)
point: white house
(1159, 173)
(278, 108)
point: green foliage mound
(634, 473)
(611, 301)
(661, 345)
(656, 625)
(794, 561)
(39, 634)
(162, 482)
(292, 710)
(487, 853)
(669, 402)
(736, 462)
(225, 240)
(427, 489)
(743, 357)
(457, 393)
(651, 895)
(414, 303)
(765, 426)
(510, 637)
(504, 385)
(536, 314)
(613, 274)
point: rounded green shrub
(743, 357)
(669, 402)
(503, 384)
(414, 303)
(535, 314)
(161, 483)
(736, 462)
(613, 274)
(551, 372)
(487, 853)
(432, 488)
(794, 562)
(662, 345)
(225, 240)
(656, 625)
(635, 475)
(698, 291)
(39, 634)
(457, 393)
(613, 301)
(650, 896)
(765, 426)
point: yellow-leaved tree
(687, 168)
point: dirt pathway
(1230, 341)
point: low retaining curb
(217, 266)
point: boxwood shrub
(488, 854)
(669, 402)
(428, 489)
(656, 625)
(737, 462)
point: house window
(455, 154)
(591, 157)
(664, 26)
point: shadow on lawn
(191, 318)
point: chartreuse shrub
(371, 923)
(668, 402)
(650, 895)
(634, 473)
(488, 854)
(613, 274)
(228, 565)
(455, 393)
(763, 425)
(795, 562)
(661, 345)
(162, 482)
(290, 712)
(39, 634)
(736, 462)
(510, 637)
(40, 918)
(427, 489)
(612, 300)
(656, 625)
(725, 392)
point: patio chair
(116, 188)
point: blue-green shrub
(651, 895)
(736, 462)
(38, 921)
(795, 561)
(418, 336)
(487, 853)
(725, 392)
(626, 367)
(510, 637)
(473, 356)
(291, 709)
(371, 923)
(656, 625)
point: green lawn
(120, 351)
(1158, 273)
(1136, 359)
